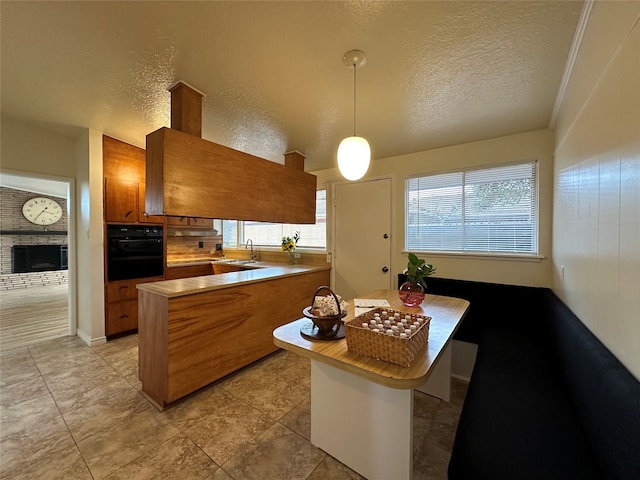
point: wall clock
(42, 211)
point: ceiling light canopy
(354, 153)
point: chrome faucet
(253, 255)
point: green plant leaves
(418, 269)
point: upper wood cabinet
(191, 222)
(120, 200)
(124, 183)
(189, 176)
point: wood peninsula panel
(153, 344)
(189, 176)
(190, 341)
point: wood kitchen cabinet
(122, 305)
(188, 271)
(124, 168)
(192, 222)
(121, 200)
(219, 268)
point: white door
(362, 237)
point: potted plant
(411, 292)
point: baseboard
(461, 378)
(92, 342)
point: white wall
(90, 243)
(32, 149)
(596, 232)
(530, 145)
(28, 148)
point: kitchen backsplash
(188, 248)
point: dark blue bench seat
(547, 400)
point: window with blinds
(488, 210)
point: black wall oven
(134, 251)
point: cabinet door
(177, 221)
(223, 268)
(122, 316)
(118, 291)
(188, 271)
(201, 222)
(121, 200)
(192, 222)
(143, 216)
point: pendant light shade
(354, 153)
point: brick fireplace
(40, 252)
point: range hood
(189, 176)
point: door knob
(386, 235)
(385, 269)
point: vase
(411, 294)
(292, 259)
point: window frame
(515, 256)
(241, 237)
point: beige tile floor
(69, 411)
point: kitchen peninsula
(194, 331)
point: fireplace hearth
(39, 258)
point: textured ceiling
(438, 73)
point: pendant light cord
(354, 99)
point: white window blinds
(489, 210)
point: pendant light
(354, 153)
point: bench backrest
(605, 394)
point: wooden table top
(446, 314)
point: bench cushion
(517, 420)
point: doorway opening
(35, 285)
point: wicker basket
(397, 350)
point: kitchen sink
(235, 261)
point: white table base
(439, 382)
(366, 426)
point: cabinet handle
(124, 316)
(123, 286)
(129, 213)
(385, 269)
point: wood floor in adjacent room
(33, 315)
